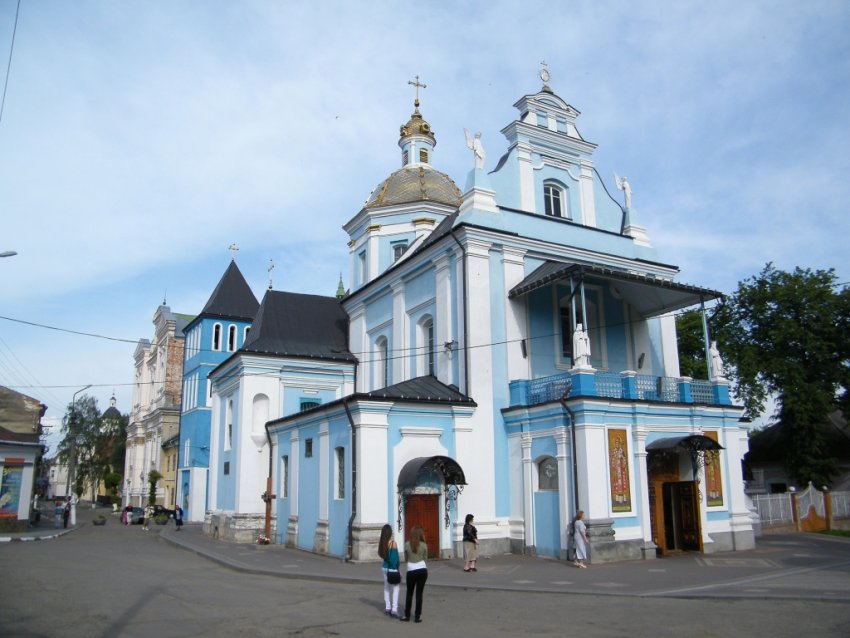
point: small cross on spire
(233, 248)
(270, 269)
(418, 85)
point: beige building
(155, 417)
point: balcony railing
(618, 385)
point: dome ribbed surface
(415, 184)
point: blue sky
(140, 139)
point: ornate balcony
(619, 385)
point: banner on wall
(618, 464)
(713, 478)
(10, 490)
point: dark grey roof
(232, 297)
(426, 388)
(297, 325)
(649, 295)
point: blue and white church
(507, 350)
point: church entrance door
(423, 510)
(681, 517)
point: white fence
(776, 509)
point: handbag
(393, 576)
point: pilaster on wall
(526, 178)
(593, 489)
(373, 478)
(360, 345)
(588, 203)
(528, 494)
(642, 480)
(444, 320)
(399, 353)
(516, 326)
(563, 458)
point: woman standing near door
(415, 551)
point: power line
(9, 64)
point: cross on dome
(418, 85)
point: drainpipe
(573, 451)
(465, 302)
(268, 496)
(353, 480)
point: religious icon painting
(618, 466)
(713, 478)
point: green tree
(153, 478)
(82, 443)
(691, 345)
(785, 333)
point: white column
(643, 485)
(527, 490)
(563, 458)
(324, 469)
(398, 354)
(527, 200)
(588, 203)
(591, 456)
(516, 326)
(373, 474)
(294, 478)
(360, 347)
(444, 328)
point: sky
(139, 140)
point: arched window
(228, 434)
(555, 200)
(339, 464)
(231, 338)
(186, 448)
(382, 364)
(426, 346)
(547, 473)
(216, 342)
(245, 334)
(284, 476)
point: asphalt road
(121, 581)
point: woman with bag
(415, 552)
(388, 550)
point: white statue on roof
(716, 361)
(623, 185)
(474, 143)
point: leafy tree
(153, 478)
(82, 441)
(785, 333)
(691, 345)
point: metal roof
(650, 296)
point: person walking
(580, 540)
(470, 544)
(415, 553)
(66, 513)
(388, 550)
(146, 517)
(178, 517)
(57, 514)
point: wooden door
(423, 510)
(689, 511)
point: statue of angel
(623, 185)
(474, 143)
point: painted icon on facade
(618, 463)
(713, 478)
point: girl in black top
(470, 544)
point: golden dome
(417, 125)
(414, 184)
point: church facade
(506, 350)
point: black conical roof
(232, 298)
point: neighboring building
(156, 404)
(214, 335)
(57, 476)
(766, 458)
(169, 470)
(508, 351)
(20, 451)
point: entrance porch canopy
(689, 443)
(650, 296)
(447, 468)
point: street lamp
(73, 470)
(8, 253)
